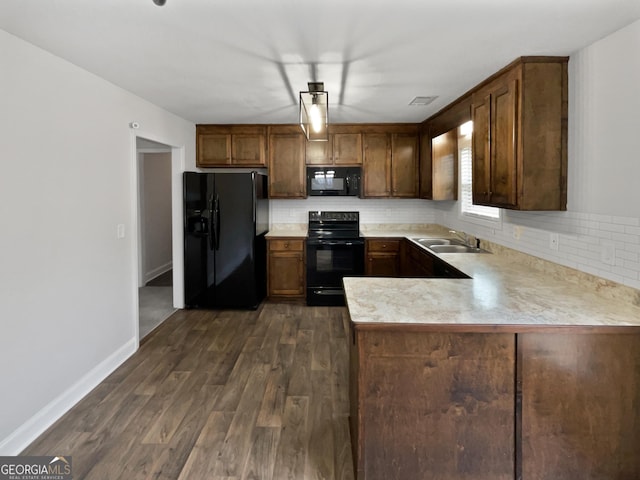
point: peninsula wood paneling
(435, 406)
(580, 406)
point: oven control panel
(353, 217)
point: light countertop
(501, 292)
(366, 230)
(287, 230)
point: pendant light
(314, 112)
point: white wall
(67, 284)
(155, 213)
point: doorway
(155, 252)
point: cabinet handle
(286, 244)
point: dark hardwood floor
(219, 395)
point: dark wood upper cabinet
(425, 165)
(344, 147)
(480, 149)
(287, 170)
(319, 153)
(231, 145)
(519, 145)
(444, 166)
(390, 162)
(520, 136)
(404, 165)
(377, 164)
(439, 160)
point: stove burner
(334, 225)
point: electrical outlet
(608, 253)
(517, 232)
(553, 241)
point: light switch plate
(120, 231)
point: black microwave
(332, 181)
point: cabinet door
(416, 262)
(286, 268)
(377, 164)
(426, 179)
(480, 151)
(248, 150)
(504, 135)
(347, 148)
(404, 165)
(286, 166)
(286, 274)
(213, 149)
(445, 165)
(382, 264)
(318, 153)
(383, 257)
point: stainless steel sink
(429, 242)
(455, 249)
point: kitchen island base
(453, 402)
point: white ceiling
(243, 61)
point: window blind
(466, 178)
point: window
(467, 208)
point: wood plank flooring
(219, 395)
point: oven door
(328, 261)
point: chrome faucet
(462, 236)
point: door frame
(177, 167)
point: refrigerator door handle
(216, 224)
(211, 221)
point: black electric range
(335, 249)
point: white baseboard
(36, 425)
(156, 272)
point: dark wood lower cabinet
(393, 257)
(285, 267)
(382, 257)
(436, 402)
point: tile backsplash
(371, 210)
(601, 245)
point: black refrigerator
(226, 217)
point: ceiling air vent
(421, 101)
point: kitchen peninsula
(520, 371)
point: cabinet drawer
(286, 245)
(383, 245)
